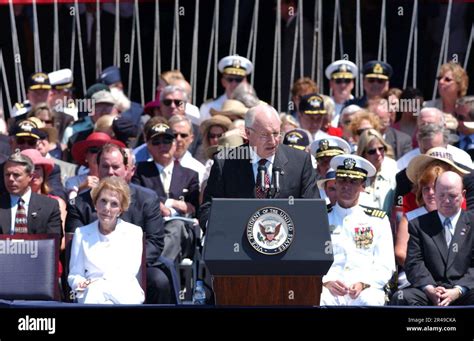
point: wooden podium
(243, 276)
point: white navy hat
(61, 79)
(235, 65)
(352, 166)
(329, 146)
(341, 69)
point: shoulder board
(329, 208)
(374, 212)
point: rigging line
(382, 27)
(279, 56)
(254, 49)
(252, 26)
(117, 35)
(334, 28)
(469, 44)
(73, 44)
(178, 39)
(235, 25)
(275, 52)
(5, 81)
(320, 46)
(140, 59)
(79, 40)
(194, 57)
(216, 48)
(410, 43)
(313, 52)
(36, 39)
(155, 51)
(209, 57)
(98, 50)
(293, 56)
(300, 13)
(56, 53)
(16, 52)
(132, 52)
(415, 50)
(339, 26)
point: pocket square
(34, 214)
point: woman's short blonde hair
(116, 184)
(459, 74)
(368, 136)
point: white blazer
(113, 259)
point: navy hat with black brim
(27, 128)
(39, 81)
(110, 75)
(377, 69)
(160, 129)
(297, 139)
(352, 166)
(312, 104)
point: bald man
(235, 173)
(440, 251)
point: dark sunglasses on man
(342, 80)
(29, 141)
(182, 135)
(234, 79)
(177, 102)
(376, 80)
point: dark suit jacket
(233, 177)
(184, 182)
(43, 215)
(468, 181)
(428, 259)
(400, 141)
(144, 211)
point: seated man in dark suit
(440, 251)
(34, 213)
(144, 211)
(238, 174)
(176, 186)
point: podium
(267, 252)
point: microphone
(276, 176)
(262, 170)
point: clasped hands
(441, 296)
(338, 288)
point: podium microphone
(262, 170)
(276, 175)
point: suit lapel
(280, 161)
(460, 233)
(176, 187)
(244, 173)
(439, 238)
(156, 180)
(5, 214)
(34, 211)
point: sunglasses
(182, 135)
(234, 79)
(161, 141)
(48, 121)
(376, 80)
(446, 79)
(342, 80)
(177, 102)
(374, 150)
(213, 136)
(93, 150)
(29, 142)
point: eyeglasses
(182, 135)
(446, 79)
(29, 142)
(376, 80)
(346, 123)
(93, 150)
(213, 136)
(374, 150)
(342, 80)
(177, 102)
(234, 79)
(267, 136)
(161, 141)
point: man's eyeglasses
(161, 141)
(93, 150)
(267, 136)
(234, 79)
(213, 136)
(177, 102)
(372, 151)
(342, 80)
(182, 135)
(29, 142)
(376, 80)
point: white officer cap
(352, 166)
(341, 69)
(329, 146)
(61, 79)
(20, 109)
(235, 65)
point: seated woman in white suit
(106, 254)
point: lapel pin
(34, 214)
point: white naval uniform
(373, 264)
(205, 110)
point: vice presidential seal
(270, 230)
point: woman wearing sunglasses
(380, 190)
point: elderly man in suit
(176, 186)
(440, 251)
(238, 173)
(33, 213)
(144, 211)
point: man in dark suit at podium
(263, 168)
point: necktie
(20, 218)
(259, 191)
(165, 179)
(448, 231)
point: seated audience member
(361, 240)
(302, 86)
(211, 130)
(363, 120)
(440, 251)
(311, 113)
(411, 101)
(329, 117)
(327, 188)
(106, 254)
(380, 191)
(324, 150)
(347, 114)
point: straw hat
(226, 141)
(217, 120)
(420, 162)
(232, 109)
